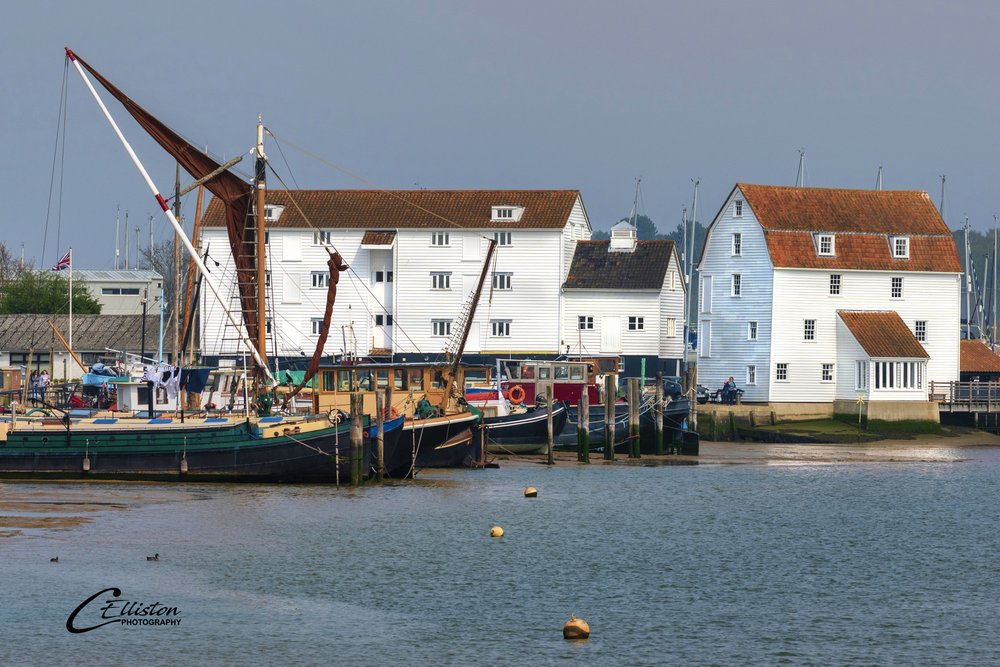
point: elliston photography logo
(102, 609)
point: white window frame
(737, 246)
(823, 239)
(320, 279)
(861, 375)
(920, 331)
(440, 328)
(636, 323)
(751, 374)
(827, 373)
(500, 328)
(836, 282)
(736, 286)
(896, 287)
(752, 329)
(781, 372)
(317, 325)
(809, 330)
(901, 247)
(503, 238)
(738, 208)
(585, 322)
(441, 281)
(321, 236)
(502, 281)
(671, 327)
(673, 280)
(440, 239)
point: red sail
(231, 189)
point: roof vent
(623, 236)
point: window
(502, 213)
(636, 323)
(441, 327)
(267, 279)
(502, 238)
(500, 328)
(752, 330)
(673, 280)
(781, 372)
(834, 284)
(899, 375)
(827, 373)
(901, 247)
(441, 280)
(861, 375)
(123, 291)
(383, 276)
(416, 380)
(439, 238)
(752, 374)
(267, 325)
(585, 322)
(107, 291)
(320, 279)
(501, 281)
(737, 244)
(383, 320)
(920, 330)
(738, 208)
(320, 237)
(671, 327)
(317, 325)
(737, 284)
(809, 330)
(897, 288)
(826, 244)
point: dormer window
(901, 247)
(738, 208)
(825, 245)
(506, 213)
(272, 212)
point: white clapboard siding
(611, 308)
(671, 299)
(732, 350)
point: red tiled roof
(360, 209)
(861, 221)
(977, 357)
(373, 237)
(883, 334)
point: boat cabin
(563, 380)
(405, 384)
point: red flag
(64, 262)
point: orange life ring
(516, 393)
(393, 412)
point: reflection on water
(822, 563)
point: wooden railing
(966, 396)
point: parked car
(703, 394)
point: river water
(856, 563)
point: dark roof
(374, 237)
(594, 267)
(860, 220)
(91, 333)
(399, 209)
(883, 334)
(977, 357)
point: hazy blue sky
(586, 95)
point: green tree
(45, 293)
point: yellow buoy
(530, 492)
(496, 531)
(576, 628)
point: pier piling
(583, 427)
(549, 434)
(634, 396)
(610, 394)
(357, 437)
(658, 412)
(379, 436)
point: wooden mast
(261, 260)
(467, 325)
(188, 304)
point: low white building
(120, 292)
(626, 297)
(813, 295)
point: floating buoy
(496, 531)
(86, 464)
(576, 628)
(184, 464)
(530, 492)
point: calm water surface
(850, 564)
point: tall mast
(800, 178)
(684, 277)
(941, 205)
(260, 246)
(968, 280)
(126, 239)
(993, 305)
(118, 232)
(878, 179)
(174, 310)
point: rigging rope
(60, 131)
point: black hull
(528, 428)
(675, 437)
(441, 442)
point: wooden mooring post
(658, 413)
(357, 436)
(549, 434)
(610, 394)
(379, 436)
(583, 427)
(634, 397)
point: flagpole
(70, 299)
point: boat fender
(576, 628)
(516, 394)
(86, 464)
(496, 531)
(393, 412)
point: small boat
(524, 432)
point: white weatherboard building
(416, 258)
(814, 295)
(120, 292)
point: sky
(499, 95)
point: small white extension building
(813, 295)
